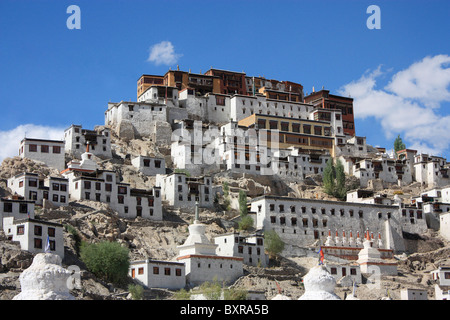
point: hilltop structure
(198, 129)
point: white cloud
(409, 104)
(10, 140)
(163, 53)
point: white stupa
(319, 285)
(45, 279)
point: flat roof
(343, 203)
(42, 140)
(156, 261)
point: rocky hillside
(92, 221)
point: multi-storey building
(99, 140)
(250, 248)
(16, 207)
(86, 182)
(146, 80)
(179, 190)
(302, 133)
(34, 188)
(302, 222)
(323, 99)
(35, 235)
(50, 152)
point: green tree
(341, 190)
(107, 260)
(398, 144)
(243, 203)
(328, 177)
(333, 179)
(273, 243)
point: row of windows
(8, 207)
(167, 271)
(249, 250)
(292, 209)
(34, 183)
(37, 230)
(55, 198)
(44, 148)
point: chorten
(197, 242)
(319, 285)
(45, 279)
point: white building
(441, 276)
(33, 234)
(413, 294)
(250, 248)
(444, 229)
(346, 275)
(76, 139)
(30, 186)
(201, 261)
(149, 166)
(16, 208)
(50, 152)
(431, 171)
(179, 190)
(302, 222)
(138, 115)
(86, 182)
(159, 274)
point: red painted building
(323, 99)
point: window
(38, 230)
(37, 243)
(109, 178)
(32, 148)
(55, 186)
(98, 186)
(146, 162)
(178, 272)
(122, 190)
(108, 187)
(120, 199)
(87, 184)
(155, 270)
(167, 271)
(55, 198)
(23, 208)
(56, 149)
(7, 207)
(44, 148)
(273, 219)
(20, 229)
(293, 221)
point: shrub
(273, 243)
(246, 223)
(137, 291)
(107, 260)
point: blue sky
(52, 77)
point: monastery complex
(224, 122)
